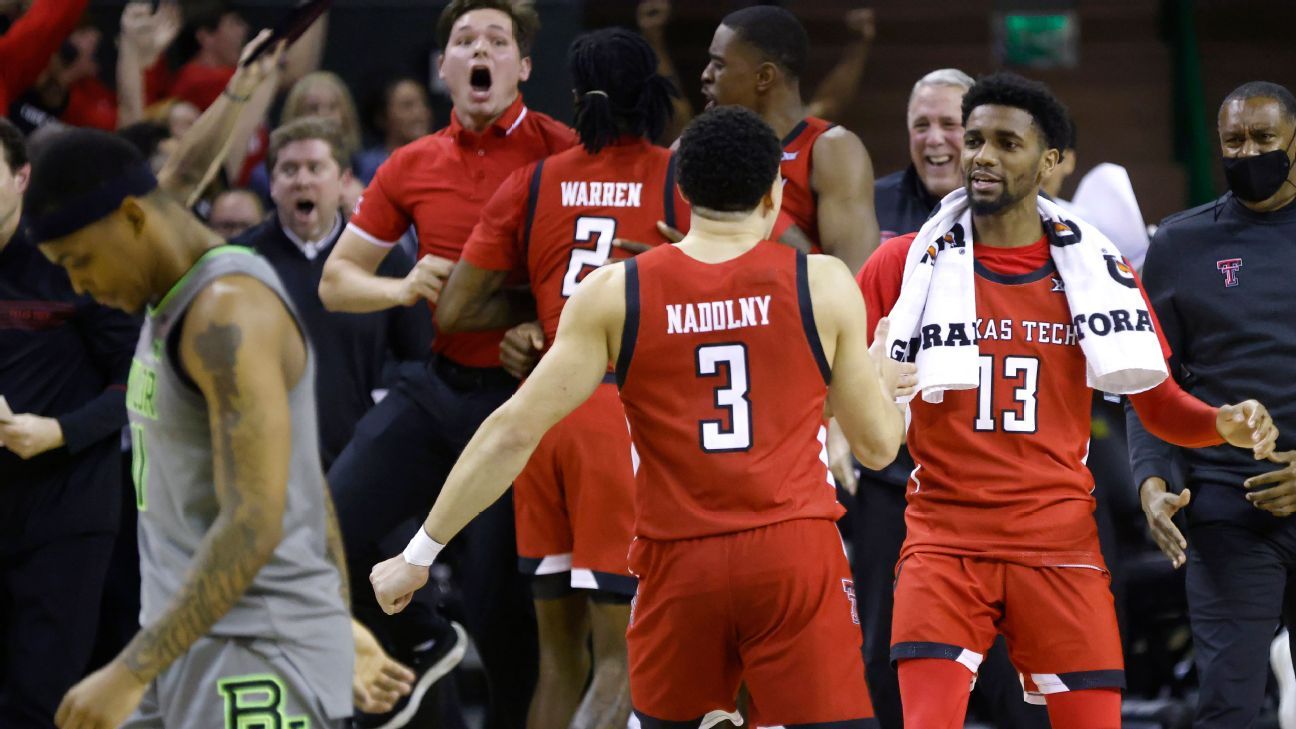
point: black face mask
(1258, 178)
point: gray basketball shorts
(226, 683)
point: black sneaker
(431, 661)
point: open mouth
(983, 181)
(305, 207)
(479, 78)
(938, 160)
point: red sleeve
(880, 278)
(91, 104)
(1156, 323)
(496, 242)
(1167, 411)
(379, 216)
(201, 85)
(1177, 417)
(26, 48)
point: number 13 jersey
(1001, 468)
(723, 379)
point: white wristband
(422, 550)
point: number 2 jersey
(557, 218)
(723, 379)
(1001, 469)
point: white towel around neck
(934, 320)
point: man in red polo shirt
(404, 448)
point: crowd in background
(269, 182)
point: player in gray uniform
(245, 620)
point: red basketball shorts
(773, 606)
(1059, 622)
(574, 501)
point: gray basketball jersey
(294, 600)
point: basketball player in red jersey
(726, 347)
(1001, 536)
(574, 501)
(757, 57)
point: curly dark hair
(1008, 89)
(618, 89)
(728, 158)
(775, 32)
(526, 21)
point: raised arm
(862, 391)
(203, 148)
(842, 83)
(842, 177)
(588, 338)
(145, 34)
(26, 48)
(244, 353)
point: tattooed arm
(242, 349)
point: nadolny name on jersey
(601, 194)
(716, 316)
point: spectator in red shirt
(219, 34)
(26, 48)
(404, 447)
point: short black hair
(14, 144)
(526, 21)
(1264, 90)
(618, 89)
(74, 163)
(1008, 89)
(205, 15)
(145, 136)
(775, 32)
(728, 159)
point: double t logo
(1229, 267)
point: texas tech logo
(257, 702)
(1229, 267)
(952, 239)
(1120, 272)
(848, 586)
(1065, 233)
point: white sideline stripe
(1048, 683)
(583, 579)
(715, 717)
(554, 563)
(970, 660)
(369, 238)
(516, 123)
(823, 456)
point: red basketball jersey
(559, 216)
(1001, 469)
(724, 379)
(799, 200)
